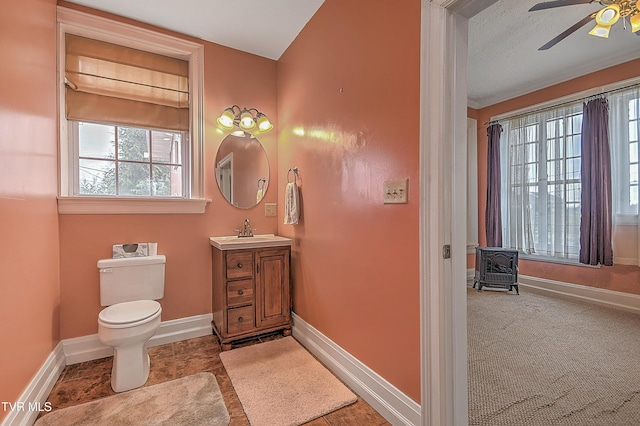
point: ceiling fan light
(600, 31)
(635, 21)
(608, 15)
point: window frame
(99, 28)
(539, 142)
(619, 219)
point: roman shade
(109, 83)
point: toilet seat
(129, 314)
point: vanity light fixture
(246, 119)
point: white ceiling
(503, 39)
(264, 28)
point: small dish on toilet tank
(130, 250)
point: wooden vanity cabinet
(250, 293)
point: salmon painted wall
(348, 111)
(29, 282)
(230, 77)
(623, 278)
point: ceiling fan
(611, 12)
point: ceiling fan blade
(559, 3)
(568, 32)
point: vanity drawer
(240, 319)
(239, 293)
(239, 265)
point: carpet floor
(541, 360)
(189, 401)
(280, 383)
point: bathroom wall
(231, 77)
(623, 278)
(348, 110)
(29, 282)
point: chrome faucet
(246, 230)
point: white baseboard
(613, 299)
(385, 398)
(471, 274)
(88, 348)
(34, 397)
(600, 296)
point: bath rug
(280, 383)
(191, 400)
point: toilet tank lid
(131, 261)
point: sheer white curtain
(541, 182)
(624, 121)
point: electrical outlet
(270, 209)
(395, 191)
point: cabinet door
(272, 288)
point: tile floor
(90, 380)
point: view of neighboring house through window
(540, 162)
(128, 161)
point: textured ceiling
(504, 60)
(503, 39)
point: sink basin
(234, 242)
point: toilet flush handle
(106, 270)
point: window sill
(123, 205)
(549, 259)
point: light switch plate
(270, 209)
(395, 191)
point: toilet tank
(131, 278)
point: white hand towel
(291, 206)
(259, 195)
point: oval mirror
(242, 170)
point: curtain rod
(564, 103)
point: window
(128, 161)
(540, 156)
(131, 119)
(540, 164)
(625, 129)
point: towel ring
(295, 174)
(261, 183)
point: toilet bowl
(127, 327)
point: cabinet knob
(240, 319)
(240, 292)
(239, 265)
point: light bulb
(226, 119)
(246, 120)
(635, 20)
(600, 31)
(609, 15)
(264, 125)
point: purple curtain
(493, 216)
(595, 176)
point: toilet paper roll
(153, 249)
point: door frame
(443, 183)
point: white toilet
(130, 287)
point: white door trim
(443, 182)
